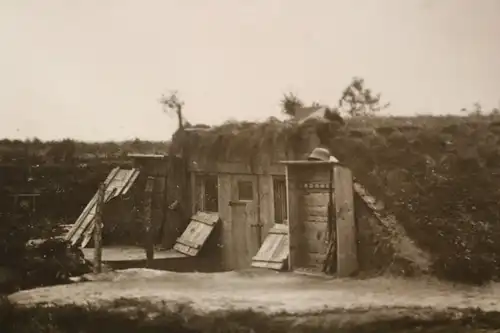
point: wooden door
(245, 228)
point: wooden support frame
(307, 185)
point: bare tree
(172, 103)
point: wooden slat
(88, 229)
(91, 205)
(274, 251)
(260, 264)
(225, 212)
(84, 228)
(266, 261)
(128, 183)
(203, 234)
(84, 223)
(117, 181)
(206, 217)
(281, 255)
(75, 226)
(196, 234)
(268, 247)
(88, 224)
(230, 168)
(132, 181)
(276, 241)
(347, 258)
(279, 199)
(293, 217)
(268, 265)
(192, 232)
(184, 249)
(277, 251)
(188, 243)
(279, 229)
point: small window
(280, 200)
(245, 190)
(207, 193)
(211, 197)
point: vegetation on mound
(35, 151)
(138, 316)
(439, 175)
(442, 183)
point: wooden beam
(98, 229)
(235, 168)
(149, 246)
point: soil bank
(282, 301)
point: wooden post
(347, 245)
(98, 229)
(149, 245)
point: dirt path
(265, 291)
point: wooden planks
(194, 237)
(347, 258)
(245, 226)
(293, 212)
(118, 182)
(265, 205)
(225, 211)
(87, 210)
(314, 198)
(274, 251)
(308, 186)
(87, 229)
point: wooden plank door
(245, 229)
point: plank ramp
(118, 182)
(274, 251)
(196, 234)
(402, 244)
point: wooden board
(274, 251)
(117, 183)
(88, 229)
(314, 219)
(315, 237)
(227, 241)
(308, 187)
(88, 208)
(130, 253)
(347, 259)
(293, 216)
(194, 237)
(245, 226)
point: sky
(94, 70)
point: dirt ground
(268, 292)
